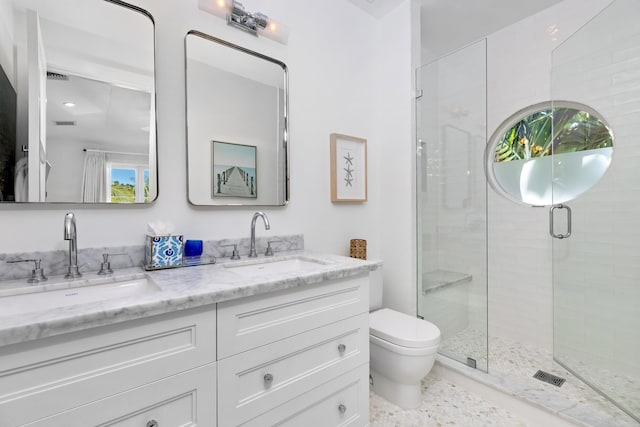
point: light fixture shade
(275, 31)
(266, 27)
(219, 8)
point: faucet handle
(269, 251)
(235, 254)
(37, 274)
(105, 267)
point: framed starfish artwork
(348, 168)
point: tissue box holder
(163, 252)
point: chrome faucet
(71, 235)
(252, 249)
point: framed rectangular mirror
(237, 104)
(77, 102)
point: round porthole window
(549, 153)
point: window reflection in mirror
(236, 124)
(82, 77)
(548, 154)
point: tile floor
(512, 366)
(452, 406)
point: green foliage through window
(124, 183)
(553, 131)
(123, 193)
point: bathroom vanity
(274, 341)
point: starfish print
(347, 181)
(349, 172)
(348, 159)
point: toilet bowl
(402, 351)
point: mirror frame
(497, 135)
(285, 116)
(143, 12)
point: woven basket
(358, 249)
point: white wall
(67, 165)
(399, 54)
(349, 73)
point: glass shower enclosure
(596, 267)
(451, 202)
(596, 271)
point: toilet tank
(375, 289)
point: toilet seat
(402, 330)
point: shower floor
(512, 366)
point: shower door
(596, 271)
(451, 202)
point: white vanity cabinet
(298, 356)
(160, 369)
(295, 355)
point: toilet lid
(402, 329)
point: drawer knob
(342, 408)
(152, 423)
(268, 379)
(342, 348)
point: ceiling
(103, 114)
(377, 8)
(447, 25)
(106, 52)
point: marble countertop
(175, 289)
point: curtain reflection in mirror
(21, 184)
(94, 177)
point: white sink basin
(43, 297)
(268, 267)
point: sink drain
(549, 378)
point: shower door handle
(551, 227)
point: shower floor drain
(549, 378)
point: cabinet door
(343, 401)
(187, 399)
(261, 319)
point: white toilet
(402, 350)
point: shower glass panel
(596, 271)
(451, 202)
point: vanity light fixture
(69, 104)
(236, 15)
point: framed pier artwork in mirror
(348, 168)
(233, 170)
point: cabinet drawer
(255, 381)
(43, 377)
(186, 399)
(343, 401)
(261, 319)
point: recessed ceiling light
(68, 104)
